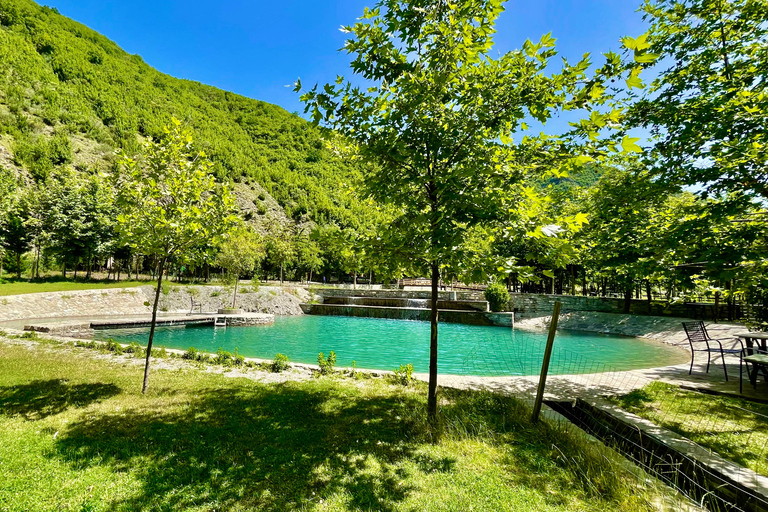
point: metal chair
(698, 337)
(195, 304)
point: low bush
(191, 354)
(497, 296)
(404, 375)
(228, 359)
(135, 349)
(326, 364)
(280, 363)
(114, 347)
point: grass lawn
(76, 434)
(13, 286)
(734, 428)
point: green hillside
(70, 96)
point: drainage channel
(711, 487)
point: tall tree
(709, 108)
(241, 253)
(171, 206)
(434, 122)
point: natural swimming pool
(386, 344)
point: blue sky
(256, 48)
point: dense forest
(68, 95)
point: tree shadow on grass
(42, 398)
(271, 448)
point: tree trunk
(628, 297)
(649, 295)
(370, 280)
(310, 277)
(234, 298)
(152, 326)
(18, 265)
(432, 390)
(281, 273)
(354, 281)
(584, 283)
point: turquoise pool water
(385, 344)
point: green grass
(13, 286)
(76, 434)
(734, 428)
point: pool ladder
(219, 321)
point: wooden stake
(545, 363)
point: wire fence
(711, 448)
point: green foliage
(404, 375)
(56, 70)
(497, 296)
(280, 363)
(114, 347)
(228, 359)
(191, 354)
(135, 349)
(240, 253)
(326, 364)
(708, 108)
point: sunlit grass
(734, 428)
(76, 434)
(13, 286)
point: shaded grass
(14, 286)
(734, 428)
(76, 434)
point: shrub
(135, 349)
(192, 354)
(404, 375)
(228, 359)
(326, 365)
(114, 347)
(280, 363)
(497, 296)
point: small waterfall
(418, 303)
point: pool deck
(595, 386)
(81, 326)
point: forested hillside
(69, 97)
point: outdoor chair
(758, 359)
(195, 304)
(700, 341)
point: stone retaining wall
(532, 303)
(116, 301)
(401, 294)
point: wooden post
(545, 363)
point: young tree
(435, 120)
(308, 255)
(280, 249)
(709, 108)
(241, 253)
(171, 206)
(16, 238)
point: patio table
(760, 339)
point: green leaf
(628, 145)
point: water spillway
(472, 312)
